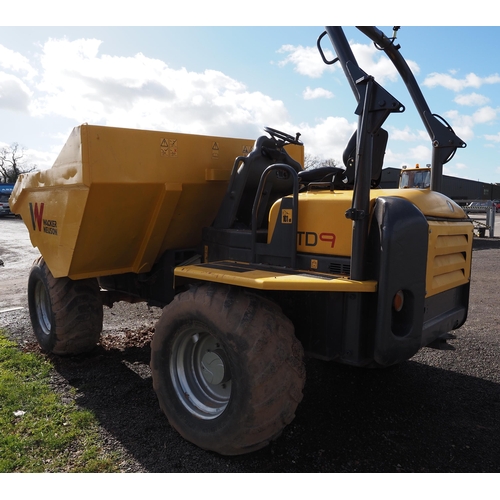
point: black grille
(339, 268)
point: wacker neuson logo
(48, 226)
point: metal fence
(484, 215)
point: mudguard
(399, 239)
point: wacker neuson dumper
(255, 260)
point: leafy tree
(13, 163)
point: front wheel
(227, 368)
(66, 314)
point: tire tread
(77, 312)
(273, 354)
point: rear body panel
(419, 245)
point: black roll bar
(374, 106)
(444, 140)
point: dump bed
(117, 198)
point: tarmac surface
(438, 412)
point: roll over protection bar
(374, 106)
(444, 140)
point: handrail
(256, 206)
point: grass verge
(40, 433)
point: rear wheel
(227, 368)
(66, 314)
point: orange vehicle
(417, 177)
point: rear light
(398, 301)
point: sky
(227, 80)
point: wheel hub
(42, 308)
(213, 368)
(200, 373)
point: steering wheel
(278, 135)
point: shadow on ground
(412, 418)
(485, 243)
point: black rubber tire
(263, 368)
(66, 314)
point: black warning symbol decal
(215, 150)
(286, 216)
(168, 147)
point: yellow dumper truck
(255, 260)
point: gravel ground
(438, 412)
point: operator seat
(320, 175)
(349, 159)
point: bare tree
(311, 161)
(330, 162)
(12, 163)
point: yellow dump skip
(116, 199)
